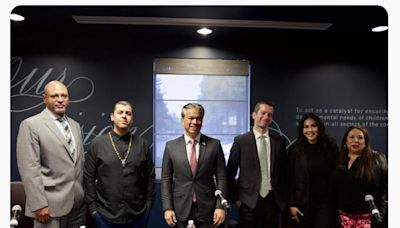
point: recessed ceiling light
(16, 17)
(380, 29)
(204, 31)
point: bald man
(50, 161)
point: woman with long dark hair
(361, 171)
(313, 158)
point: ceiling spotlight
(380, 29)
(16, 17)
(204, 31)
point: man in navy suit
(193, 168)
(260, 190)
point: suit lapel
(202, 151)
(273, 154)
(49, 122)
(182, 154)
(253, 145)
(75, 134)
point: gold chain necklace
(123, 161)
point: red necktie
(193, 161)
(193, 164)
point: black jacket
(381, 180)
(244, 156)
(381, 177)
(299, 179)
(379, 189)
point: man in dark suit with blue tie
(260, 190)
(193, 168)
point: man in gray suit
(193, 168)
(50, 161)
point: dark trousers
(266, 214)
(199, 222)
(315, 216)
(320, 216)
(194, 215)
(102, 223)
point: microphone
(16, 209)
(224, 202)
(375, 212)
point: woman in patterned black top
(360, 172)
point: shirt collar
(53, 115)
(258, 134)
(188, 139)
(125, 137)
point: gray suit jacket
(177, 179)
(49, 174)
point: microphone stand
(227, 218)
(15, 210)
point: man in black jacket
(260, 190)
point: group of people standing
(310, 184)
(328, 185)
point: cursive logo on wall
(27, 90)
